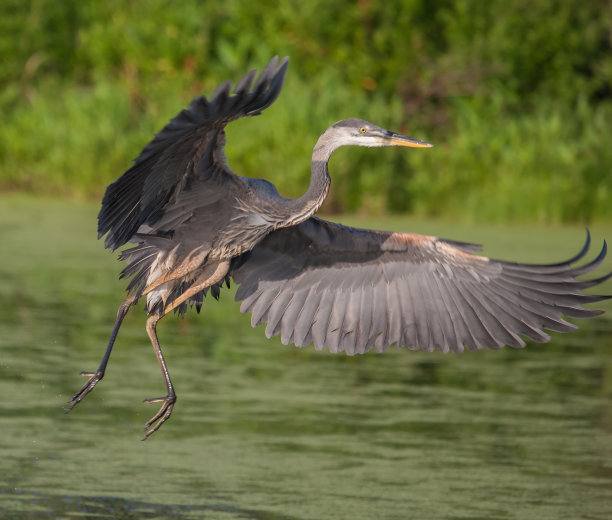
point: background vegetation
(516, 95)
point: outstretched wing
(352, 290)
(190, 147)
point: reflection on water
(49, 506)
(264, 431)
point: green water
(263, 431)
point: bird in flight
(194, 224)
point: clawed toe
(163, 414)
(94, 377)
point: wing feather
(189, 148)
(291, 315)
(265, 301)
(336, 320)
(499, 322)
(304, 321)
(321, 319)
(409, 316)
(394, 333)
(447, 316)
(352, 290)
(421, 306)
(457, 311)
(276, 312)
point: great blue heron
(196, 223)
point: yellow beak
(402, 140)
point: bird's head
(357, 132)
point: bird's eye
(363, 130)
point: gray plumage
(196, 224)
(353, 290)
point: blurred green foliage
(516, 95)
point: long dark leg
(217, 273)
(94, 377)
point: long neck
(304, 207)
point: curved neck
(304, 207)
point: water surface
(264, 431)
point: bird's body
(196, 224)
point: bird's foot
(94, 377)
(155, 422)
